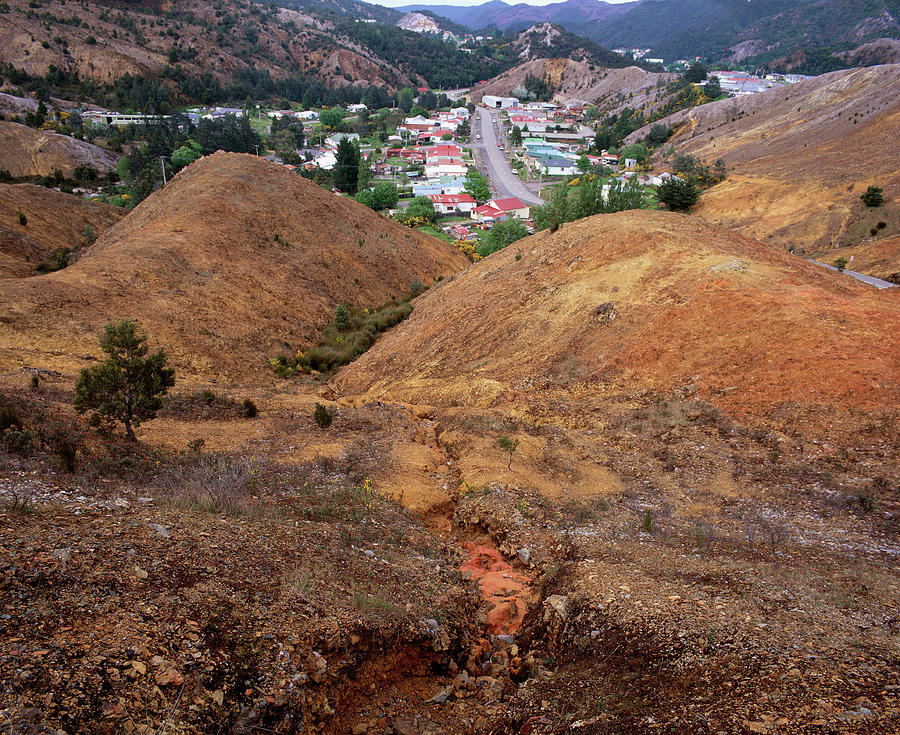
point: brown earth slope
(55, 220)
(577, 81)
(642, 301)
(25, 151)
(216, 38)
(198, 263)
(798, 156)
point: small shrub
(873, 196)
(35, 381)
(647, 522)
(840, 264)
(215, 483)
(208, 396)
(509, 446)
(248, 409)
(23, 220)
(66, 452)
(873, 231)
(341, 318)
(881, 225)
(323, 416)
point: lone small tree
(128, 386)
(677, 194)
(509, 446)
(873, 196)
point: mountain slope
(198, 264)
(571, 14)
(54, 220)
(798, 156)
(234, 41)
(26, 152)
(575, 81)
(642, 301)
(716, 28)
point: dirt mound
(234, 260)
(639, 303)
(54, 220)
(798, 156)
(579, 81)
(26, 152)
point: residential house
(512, 206)
(450, 203)
(553, 165)
(356, 109)
(427, 189)
(487, 214)
(332, 141)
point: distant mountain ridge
(571, 14)
(737, 30)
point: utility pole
(257, 148)
(162, 163)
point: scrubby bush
(248, 409)
(323, 416)
(840, 264)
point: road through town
(504, 180)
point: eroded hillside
(638, 472)
(798, 156)
(235, 259)
(26, 152)
(610, 89)
(52, 220)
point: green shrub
(323, 416)
(873, 196)
(23, 220)
(881, 225)
(341, 318)
(248, 409)
(840, 264)
(208, 396)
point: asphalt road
(871, 280)
(505, 181)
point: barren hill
(54, 220)
(798, 156)
(642, 301)
(25, 151)
(575, 81)
(235, 259)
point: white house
(308, 115)
(356, 109)
(449, 203)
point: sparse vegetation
(351, 333)
(840, 264)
